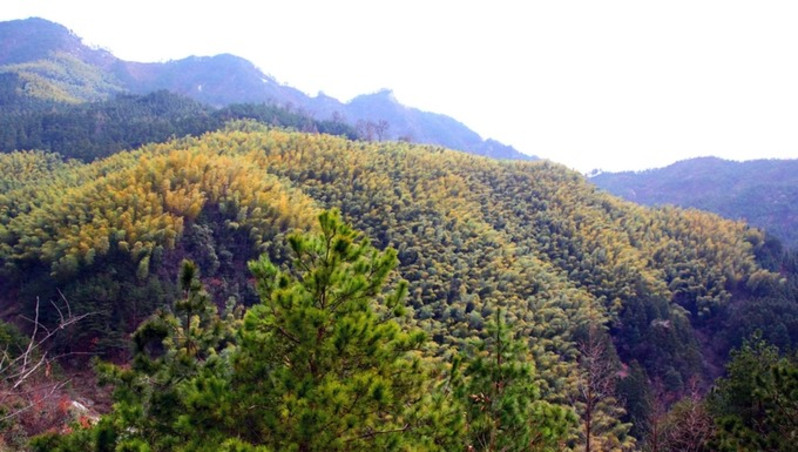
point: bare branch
(53, 390)
(18, 387)
(66, 302)
(60, 314)
(373, 433)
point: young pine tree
(174, 351)
(504, 411)
(322, 361)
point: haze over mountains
(525, 296)
(56, 64)
(761, 192)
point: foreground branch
(18, 391)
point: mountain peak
(34, 25)
(384, 95)
(217, 80)
(35, 39)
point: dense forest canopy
(242, 275)
(583, 293)
(89, 131)
(760, 192)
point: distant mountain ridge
(763, 192)
(34, 39)
(56, 65)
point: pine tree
(756, 405)
(322, 360)
(174, 351)
(504, 411)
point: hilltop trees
(90, 131)
(472, 236)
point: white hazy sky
(608, 84)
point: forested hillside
(47, 63)
(602, 310)
(763, 193)
(93, 130)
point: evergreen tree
(756, 405)
(173, 350)
(504, 411)
(322, 362)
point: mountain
(761, 192)
(410, 124)
(218, 80)
(54, 65)
(253, 283)
(661, 293)
(472, 234)
(34, 39)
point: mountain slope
(666, 290)
(59, 67)
(472, 234)
(410, 124)
(91, 130)
(762, 192)
(33, 39)
(217, 80)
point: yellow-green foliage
(20, 168)
(472, 234)
(138, 201)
